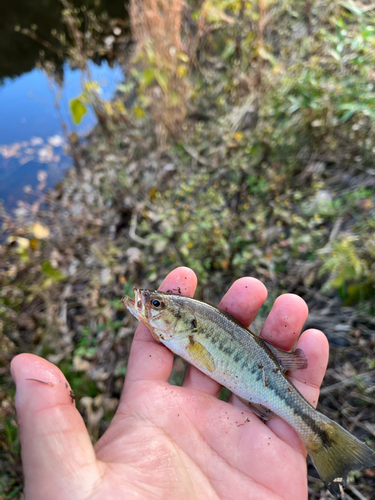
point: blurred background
(233, 137)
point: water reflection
(30, 127)
(18, 52)
(31, 137)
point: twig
(132, 233)
(346, 382)
(357, 493)
(335, 229)
(41, 41)
(194, 154)
(315, 480)
(363, 397)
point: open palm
(168, 442)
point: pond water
(31, 136)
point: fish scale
(222, 348)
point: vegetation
(242, 142)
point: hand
(168, 442)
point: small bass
(252, 369)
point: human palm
(168, 442)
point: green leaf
(121, 371)
(52, 272)
(77, 109)
(358, 292)
(267, 56)
(351, 7)
(345, 117)
(162, 80)
(147, 76)
(228, 51)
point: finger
(285, 321)
(148, 359)
(315, 346)
(195, 379)
(242, 300)
(57, 453)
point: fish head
(160, 312)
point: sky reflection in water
(31, 138)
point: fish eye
(157, 304)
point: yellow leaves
(346, 263)
(92, 87)
(34, 244)
(139, 112)
(23, 243)
(120, 106)
(40, 232)
(238, 136)
(152, 194)
(25, 246)
(22, 246)
(214, 12)
(108, 108)
(183, 57)
(181, 70)
(78, 106)
(77, 109)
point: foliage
(265, 114)
(352, 268)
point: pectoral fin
(200, 356)
(295, 360)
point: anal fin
(260, 410)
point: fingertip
(291, 302)
(315, 345)
(244, 299)
(285, 321)
(54, 440)
(34, 375)
(182, 278)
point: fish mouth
(138, 307)
(130, 305)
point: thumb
(57, 455)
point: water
(31, 136)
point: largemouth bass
(252, 369)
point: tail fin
(336, 453)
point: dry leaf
(40, 232)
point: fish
(254, 370)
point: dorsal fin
(295, 360)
